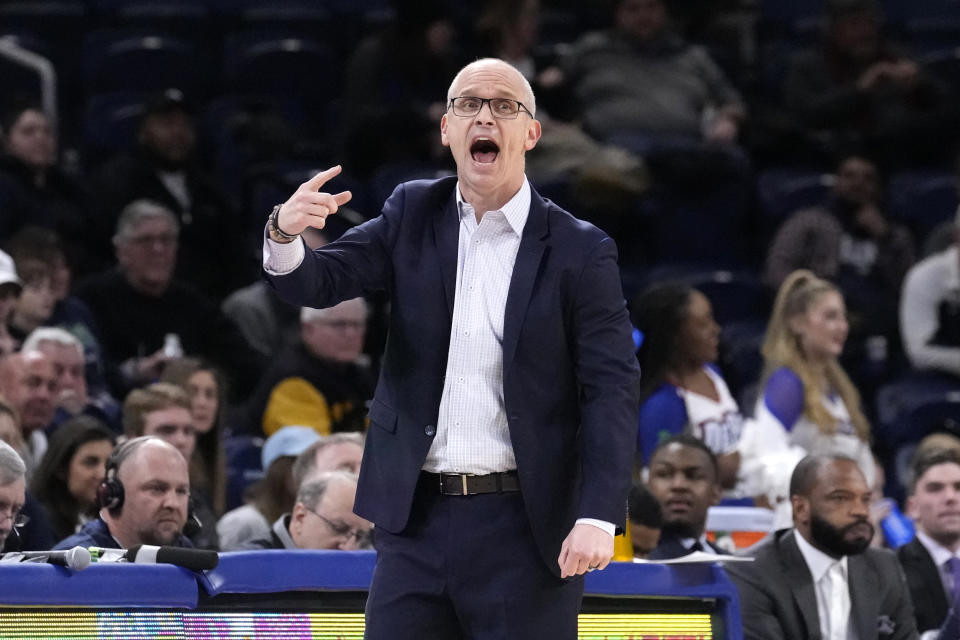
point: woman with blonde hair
(807, 404)
(807, 401)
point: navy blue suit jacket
(570, 377)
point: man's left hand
(586, 548)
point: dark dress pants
(467, 567)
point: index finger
(317, 181)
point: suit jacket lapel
(865, 599)
(801, 581)
(532, 246)
(446, 233)
(923, 563)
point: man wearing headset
(143, 499)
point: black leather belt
(466, 484)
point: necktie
(953, 565)
(838, 602)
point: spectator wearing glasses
(13, 486)
(139, 303)
(322, 518)
(321, 382)
(271, 497)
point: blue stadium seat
(237, 130)
(944, 64)
(289, 64)
(46, 18)
(800, 21)
(922, 199)
(110, 124)
(909, 408)
(702, 226)
(243, 466)
(138, 60)
(783, 191)
(386, 178)
(734, 295)
(924, 24)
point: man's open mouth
(484, 150)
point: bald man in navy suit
(502, 429)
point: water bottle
(897, 528)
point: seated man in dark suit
(685, 480)
(821, 579)
(322, 518)
(931, 561)
(143, 499)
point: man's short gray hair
(139, 210)
(311, 493)
(529, 100)
(50, 334)
(306, 462)
(12, 467)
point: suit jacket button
(430, 430)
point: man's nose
(488, 119)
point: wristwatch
(274, 228)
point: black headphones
(110, 493)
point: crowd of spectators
(131, 307)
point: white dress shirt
(833, 604)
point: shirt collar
(817, 561)
(282, 528)
(516, 210)
(937, 551)
(704, 543)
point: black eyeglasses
(502, 108)
(343, 530)
(8, 511)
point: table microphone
(76, 558)
(193, 559)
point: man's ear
(297, 515)
(801, 509)
(533, 135)
(911, 507)
(443, 131)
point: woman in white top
(807, 402)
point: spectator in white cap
(272, 496)
(10, 288)
(930, 310)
